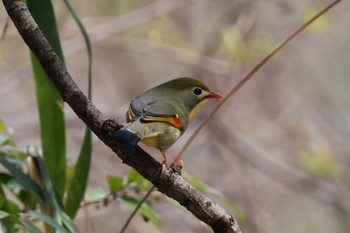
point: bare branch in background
(4, 30)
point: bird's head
(190, 93)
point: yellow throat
(197, 107)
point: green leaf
(135, 177)
(5, 178)
(8, 221)
(5, 138)
(26, 196)
(87, 42)
(22, 178)
(2, 199)
(145, 209)
(50, 104)
(12, 207)
(201, 186)
(68, 223)
(47, 219)
(2, 124)
(6, 205)
(30, 226)
(49, 194)
(5, 135)
(78, 183)
(4, 214)
(52, 198)
(95, 193)
(79, 180)
(115, 183)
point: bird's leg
(164, 163)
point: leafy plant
(50, 184)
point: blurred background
(278, 149)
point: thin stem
(126, 224)
(4, 30)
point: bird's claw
(164, 165)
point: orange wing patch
(173, 120)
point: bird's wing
(133, 112)
(161, 111)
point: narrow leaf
(79, 181)
(7, 210)
(5, 135)
(68, 223)
(4, 214)
(30, 227)
(8, 222)
(22, 178)
(52, 198)
(50, 103)
(47, 219)
(87, 42)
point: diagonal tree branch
(171, 184)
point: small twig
(4, 30)
(177, 168)
(104, 200)
(126, 224)
(89, 223)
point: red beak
(215, 95)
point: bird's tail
(126, 137)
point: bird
(159, 116)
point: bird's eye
(197, 91)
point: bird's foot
(175, 167)
(164, 165)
